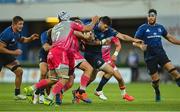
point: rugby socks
(55, 90)
(103, 81)
(155, 85)
(17, 92)
(123, 90)
(84, 81)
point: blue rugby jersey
(151, 35)
(10, 38)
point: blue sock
(17, 92)
(155, 85)
(58, 100)
(103, 81)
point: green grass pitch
(143, 93)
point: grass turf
(143, 93)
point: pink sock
(57, 88)
(41, 83)
(84, 81)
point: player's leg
(120, 80)
(62, 77)
(94, 74)
(105, 78)
(166, 63)
(99, 90)
(69, 84)
(80, 93)
(87, 69)
(41, 84)
(39, 93)
(173, 71)
(18, 71)
(66, 87)
(60, 63)
(152, 67)
(122, 86)
(53, 60)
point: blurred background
(127, 16)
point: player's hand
(143, 47)
(35, 36)
(17, 52)
(95, 19)
(89, 36)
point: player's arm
(117, 49)
(128, 38)
(91, 25)
(44, 39)
(139, 35)
(172, 39)
(99, 42)
(87, 36)
(29, 39)
(4, 50)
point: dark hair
(106, 20)
(152, 11)
(74, 18)
(16, 19)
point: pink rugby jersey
(62, 34)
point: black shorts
(6, 59)
(94, 59)
(152, 64)
(43, 55)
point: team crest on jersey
(13, 40)
(99, 62)
(147, 30)
(159, 30)
(102, 35)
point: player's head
(75, 19)
(17, 23)
(152, 14)
(63, 16)
(104, 23)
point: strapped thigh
(14, 68)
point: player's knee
(155, 83)
(44, 72)
(155, 76)
(19, 72)
(88, 68)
